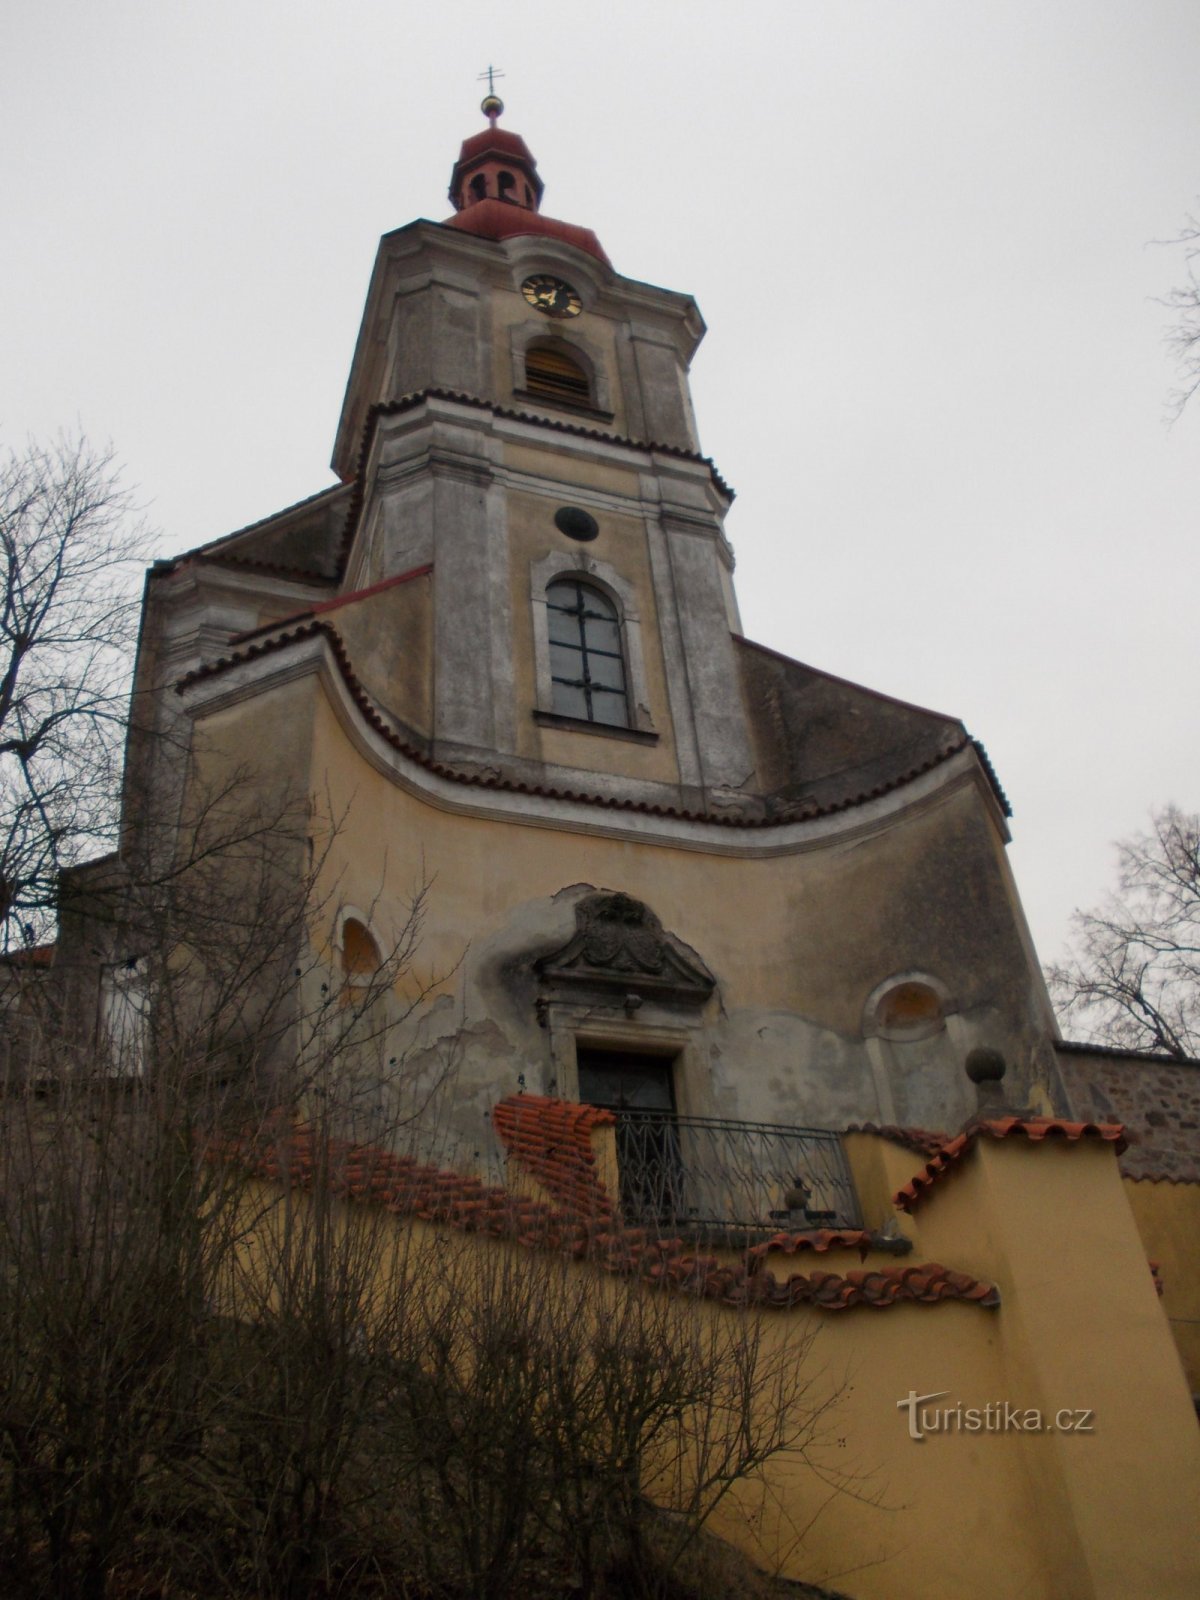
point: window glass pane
(609, 708)
(565, 662)
(570, 702)
(605, 670)
(602, 633)
(595, 603)
(564, 629)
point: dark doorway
(638, 1088)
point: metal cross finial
(492, 104)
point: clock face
(551, 295)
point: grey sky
(919, 233)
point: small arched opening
(554, 374)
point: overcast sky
(920, 234)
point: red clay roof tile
(1036, 1129)
(551, 1139)
(494, 219)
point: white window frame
(599, 575)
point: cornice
(315, 647)
(636, 448)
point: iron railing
(708, 1177)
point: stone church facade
(504, 651)
(685, 942)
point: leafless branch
(71, 552)
(1132, 975)
(1183, 335)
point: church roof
(496, 219)
(497, 193)
(823, 742)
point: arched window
(554, 374)
(479, 186)
(360, 960)
(507, 184)
(908, 1011)
(587, 668)
(125, 1015)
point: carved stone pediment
(620, 949)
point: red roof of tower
(496, 191)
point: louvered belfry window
(555, 375)
(587, 669)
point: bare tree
(234, 1363)
(1132, 974)
(71, 552)
(1183, 336)
(122, 1384)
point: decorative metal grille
(706, 1177)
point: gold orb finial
(491, 105)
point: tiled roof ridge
(1131, 1176)
(921, 1141)
(1036, 1129)
(410, 401)
(849, 683)
(985, 761)
(819, 1240)
(291, 1153)
(490, 780)
(1161, 1058)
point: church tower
(503, 650)
(634, 941)
(518, 417)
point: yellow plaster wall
(996, 1514)
(878, 1168)
(1083, 1328)
(556, 465)
(389, 638)
(227, 754)
(862, 1506)
(805, 933)
(1168, 1219)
